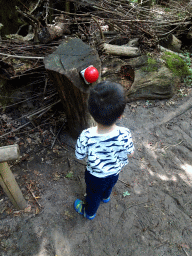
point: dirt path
(154, 218)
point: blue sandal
(80, 208)
(106, 200)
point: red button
(91, 74)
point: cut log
(121, 50)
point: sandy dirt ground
(150, 212)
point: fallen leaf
(37, 211)
(56, 176)
(2, 210)
(28, 140)
(9, 210)
(68, 215)
(17, 213)
(27, 209)
(36, 172)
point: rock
(138, 62)
(142, 77)
(160, 84)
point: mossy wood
(176, 64)
(153, 80)
(63, 67)
(7, 179)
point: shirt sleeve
(81, 146)
(129, 143)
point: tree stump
(63, 67)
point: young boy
(106, 146)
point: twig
(69, 13)
(127, 184)
(34, 196)
(35, 6)
(46, 11)
(185, 251)
(173, 145)
(81, 163)
(58, 140)
(56, 136)
(41, 110)
(21, 57)
(101, 32)
(28, 16)
(180, 110)
(29, 99)
(46, 80)
(105, 10)
(136, 205)
(12, 131)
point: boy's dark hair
(106, 102)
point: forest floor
(150, 212)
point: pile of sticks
(130, 20)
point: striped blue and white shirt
(106, 153)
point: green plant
(181, 15)
(69, 175)
(176, 64)
(181, 93)
(188, 79)
(167, 9)
(151, 65)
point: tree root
(181, 109)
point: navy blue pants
(97, 189)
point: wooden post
(10, 187)
(7, 179)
